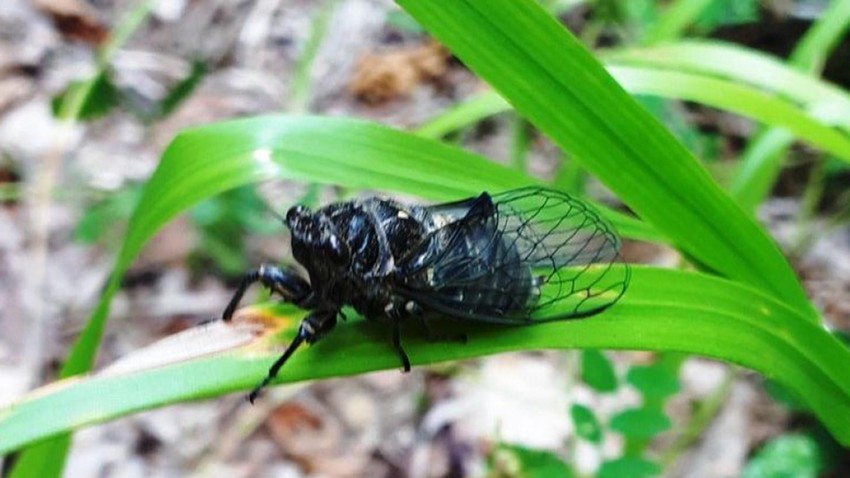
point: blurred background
(67, 190)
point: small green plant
(786, 455)
(222, 223)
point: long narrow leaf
(679, 15)
(662, 310)
(812, 50)
(552, 80)
(711, 91)
(743, 65)
(735, 98)
(208, 160)
(762, 161)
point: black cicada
(518, 257)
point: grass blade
(678, 16)
(743, 65)
(211, 159)
(735, 98)
(552, 80)
(763, 159)
(662, 310)
(816, 45)
(719, 93)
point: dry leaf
(381, 77)
(75, 20)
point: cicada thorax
(379, 234)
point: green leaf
(736, 79)
(704, 145)
(786, 456)
(586, 424)
(552, 80)
(741, 99)
(687, 312)
(628, 467)
(223, 222)
(764, 156)
(719, 93)
(209, 160)
(653, 381)
(102, 217)
(729, 12)
(464, 114)
(761, 163)
(640, 422)
(820, 40)
(597, 371)
(182, 90)
(521, 462)
(745, 66)
(679, 15)
(100, 96)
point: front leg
(287, 283)
(312, 328)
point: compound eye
(338, 250)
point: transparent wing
(521, 256)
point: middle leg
(312, 328)
(393, 312)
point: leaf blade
(662, 310)
(544, 72)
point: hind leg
(394, 314)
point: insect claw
(405, 361)
(255, 393)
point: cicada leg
(312, 328)
(289, 285)
(394, 313)
(402, 355)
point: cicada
(519, 257)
